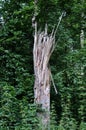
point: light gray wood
(44, 45)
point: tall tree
(44, 45)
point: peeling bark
(43, 45)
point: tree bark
(82, 87)
(43, 47)
(82, 39)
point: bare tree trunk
(43, 47)
(82, 46)
(82, 39)
(82, 87)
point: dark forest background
(68, 64)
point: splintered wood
(43, 48)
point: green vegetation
(68, 64)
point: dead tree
(43, 48)
(44, 45)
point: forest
(18, 111)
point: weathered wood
(43, 45)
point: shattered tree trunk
(44, 45)
(43, 48)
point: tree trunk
(43, 47)
(82, 87)
(82, 39)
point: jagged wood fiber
(43, 48)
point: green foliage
(68, 64)
(15, 113)
(53, 122)
(82, 126)
(7, 113)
